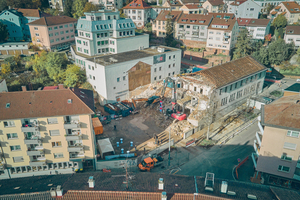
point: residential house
(192, 29)
(222, 15)
(290, 9)
(193, 9)
(46, 131)
(292, 34)
(265, 3)
(214, 6)
(3, 86)
(222, 35)
(279, 125)
(244, 9)
(257, 28)
(173, 5)
(156, 10)
(17, 22)
(159, 24)
(113, 76)
(139, 12)
(103, 32)
(227, 85)
(53, 33)
(60, 4)
(12, 48)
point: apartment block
(290, 9)
(257, 28)
(53, 33)
(277, 143)
(214, 6)
(292, 35)
(222, 35)
(48, 131)
(17, 21)
(159, 24)
(244, 9)
(103, 32)
(193, 9)
(139, 12)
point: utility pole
(210, 112)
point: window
(18, 159)
(93, 77)
(66, 26)
(52, 121)
(159, 68)
(12, 136)
(58, 155)
(293, 134)
(37, 34)
(62, 38)
(9, 124)
(61, 32)
(57, 33)
(155, 78)
(124, 78)
(159, 77)
(54, 132)
(38, 40)
(57, 39)
(118, 79)
(36, 28)
(224, 101)
(154, 69)
(286, 157)
(50, 28)
(283, 169)
(15, 148)
(60, 27)
(67, 37)
(288, 145)
(51, 34)
(56, 144)
(51, 41)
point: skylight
(7, 105)
(69, 100)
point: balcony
(37, 151)
(30, 127)
(73, 135)
(32, 139)
(225, 42)
(38, 161)
(78, 155)
(226, 36)
(2, 165)
(297, 177)
(72, 124)
(75, 149)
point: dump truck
(148, 163)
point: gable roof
(243, 21)
(293, 88)
(283, 112)
(137, 4)
(174, 3)
(291, 6)
(190, 1)
(53, 20)
(259, 22)
(216, 21)
(198, 18)
(216, 2)
(193, 6)
(237, 3)
(32, 12)
(46, 103)
(162, 15)
(292, 30)
(224, 74)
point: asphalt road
(219, 160)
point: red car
(180, 116)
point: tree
(55, 66)
(74, 76)
(242, 47)
(78, 6)
(3, 32)
(3, 5)
(127, 2)
(262, 56)
(279, 22)
(36, 4)
(269, 8)
(89, 7)
(279, 51)
(68, 8)
(5, 68)
(169, 30)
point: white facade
(139, 16)
(289, 38)
(3, 86)
(108, 74)
(104, 32)
(259, 33)
(248, 9)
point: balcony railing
(75, 149)
(40, 161)
(33, 139)
(226, 42)
(35, 152)
(79, 155)
(72, 124)
(30, 127)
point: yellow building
(46, 131)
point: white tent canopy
(105, 146)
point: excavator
(149, 101)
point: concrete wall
(113, 164)
(139, 75)
(131, 43)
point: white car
(298, 80)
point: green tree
(74, 76)
(5, 68)
(37, 63)
(68, 8)
(279, 22)
(89, 7)
(279, 51)
(269, 8)
(3, 32)
(262, 56)
(127, 2)
(3, 5)
(78, 6)
(243, 45)
(169, 30)
(44, 4)
(55, 66)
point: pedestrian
(115, 127)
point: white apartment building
(292, 34)
(257, 28)
(244, 9)
(139, 12)
(222, 35)
(109, 74)
(103, 32)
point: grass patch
(277, 93)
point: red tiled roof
(216, 2)
(243, 21)
(292, 30)
(32, 12)
(45, 103)
(137, 4)
(193, 6)
(283, 13)
(292, 6)
(277, 7)
(217, 21)
(237, 3)
(50, 88)
(53, 20)
(273, 13)
(162, 15)
(206, 19)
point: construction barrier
(239, 165)
(190, 142)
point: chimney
(163, 196)
(59, 191)
(53, 192)
(91, 182)
(24, 88)
(160, 183)
(61, 86)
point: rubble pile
(180, 127)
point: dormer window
(290, 31)
(70, 101)
(201, 21)
(296, 9)
(7, 105)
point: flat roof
(294, 88)
(14, 43)
(110, 59)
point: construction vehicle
(150, 162)
(149, 100)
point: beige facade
(291, 11)
(212, 8)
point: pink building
(53, 33)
